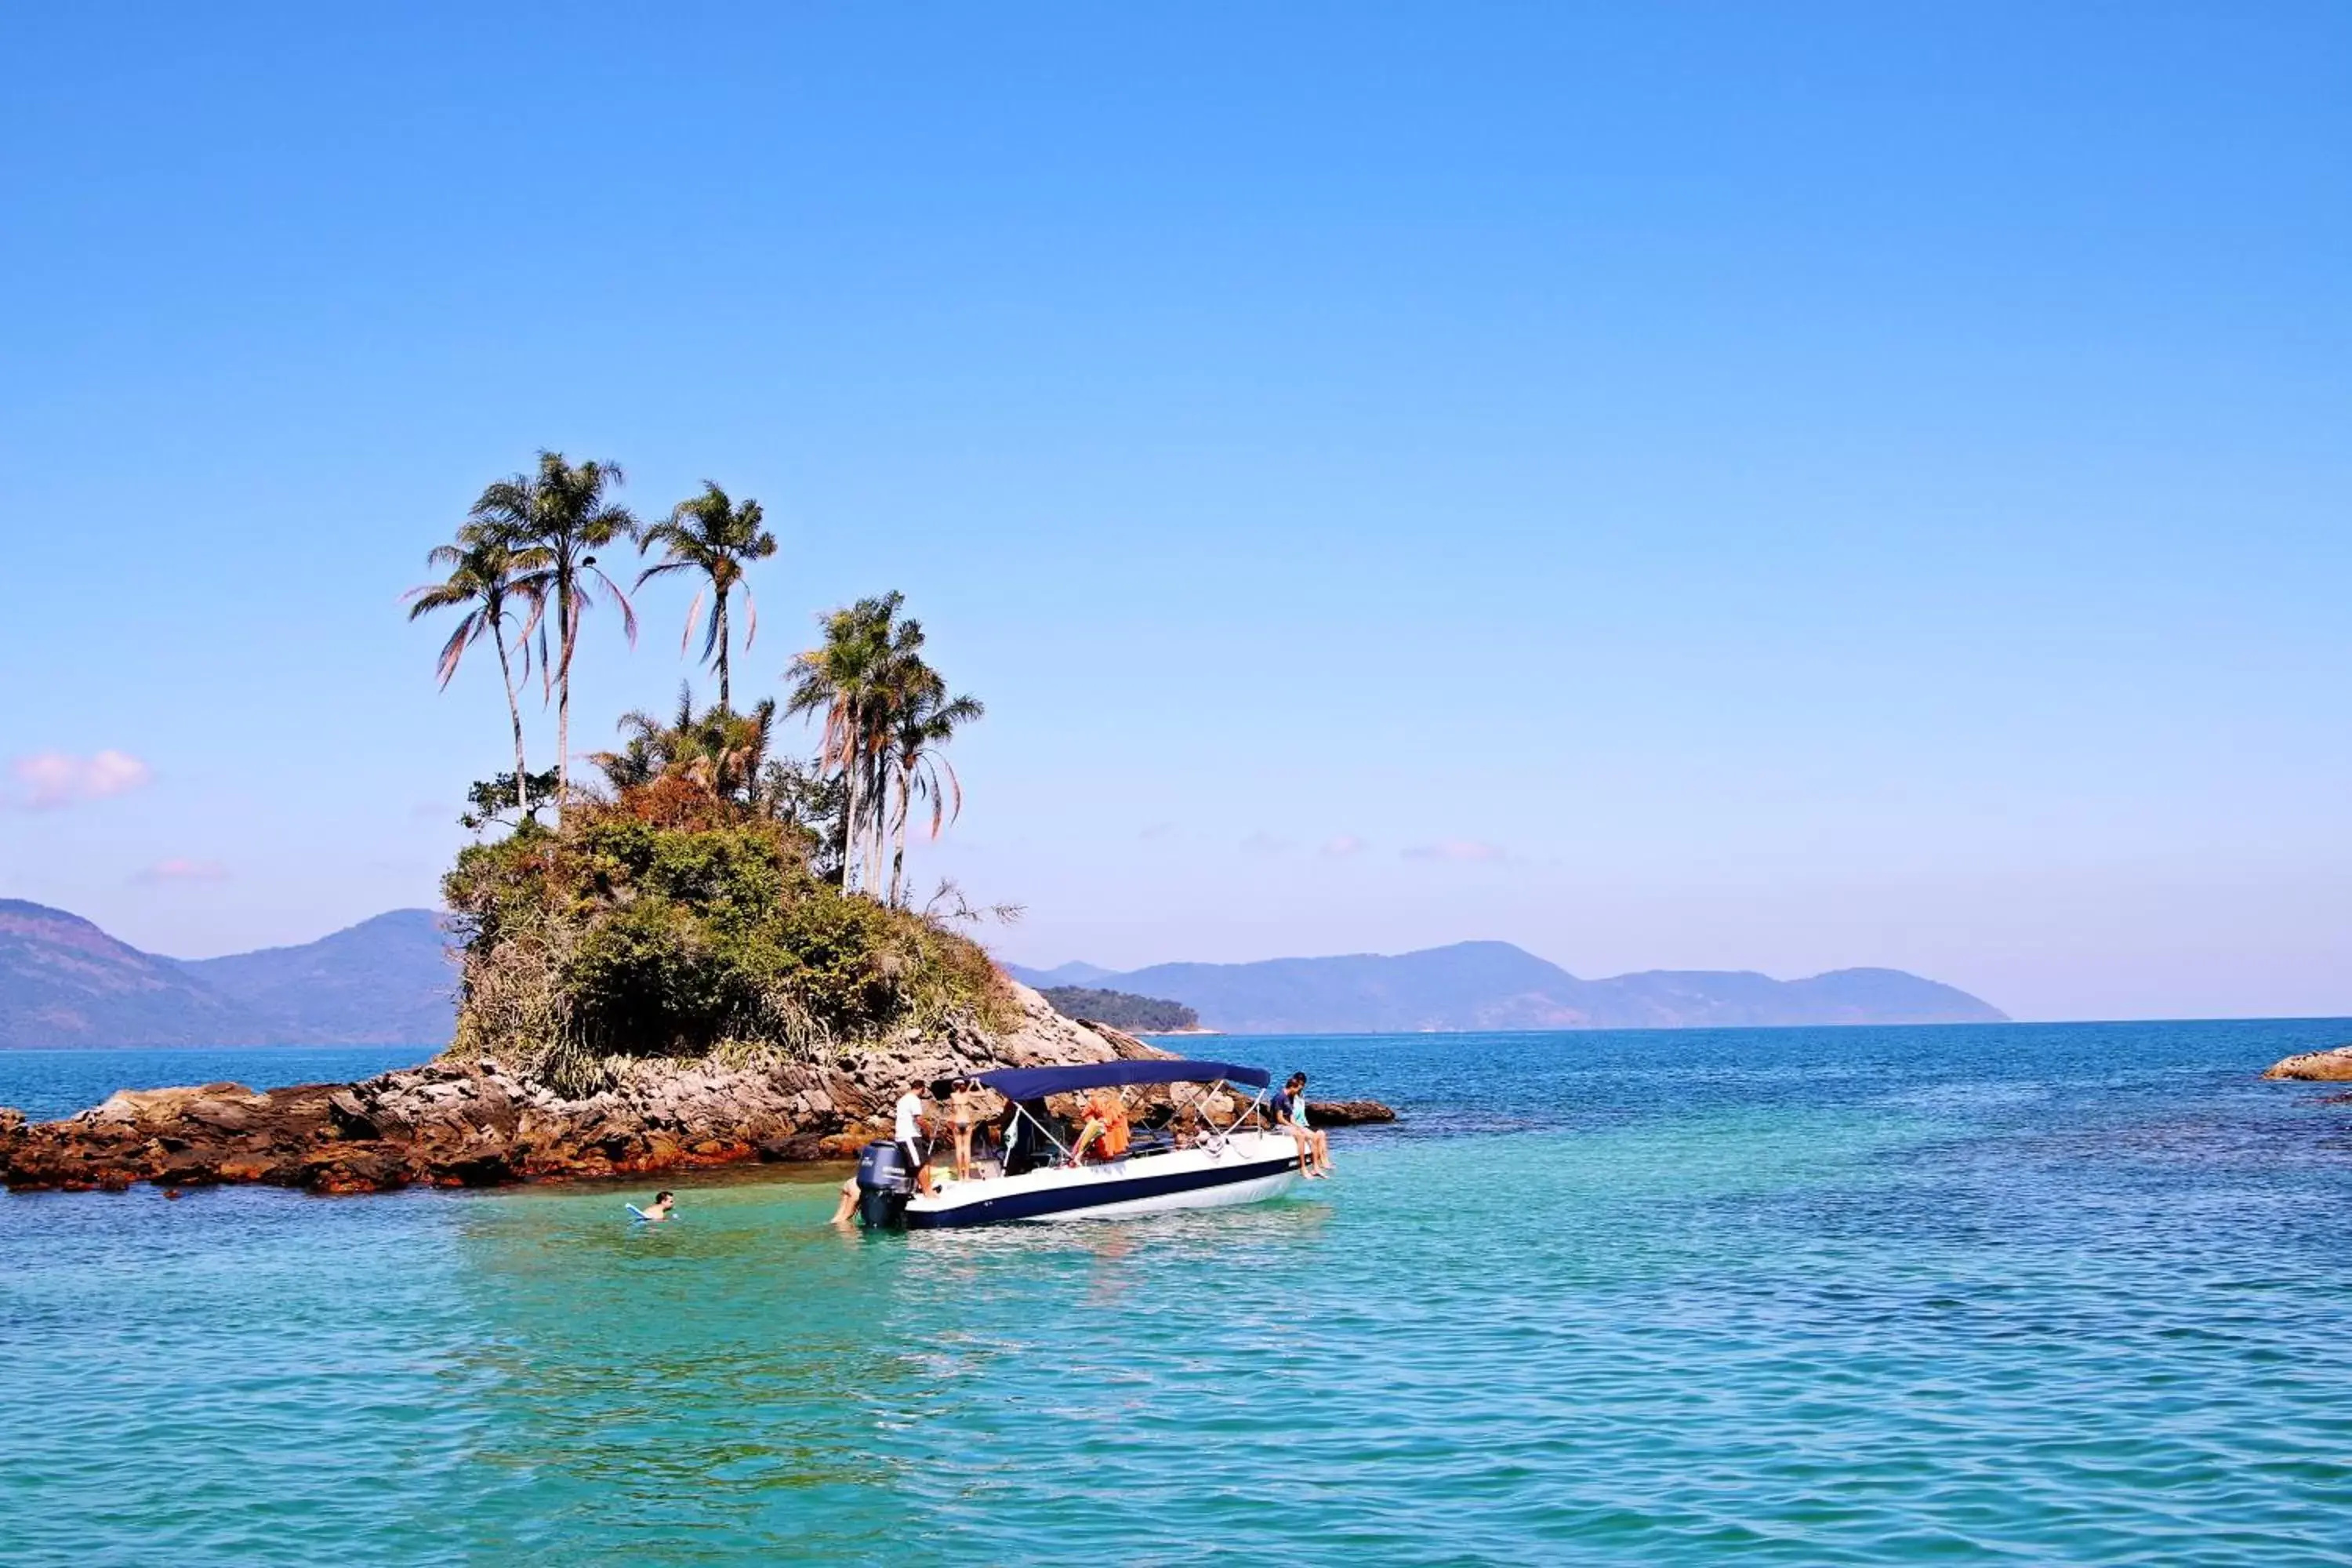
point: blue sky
(1670, 486)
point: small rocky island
(666, 980)
(714, 953)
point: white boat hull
(1248, 1168)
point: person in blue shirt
(1290, 1114)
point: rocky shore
(474, 1124)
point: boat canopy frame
(1018, 1085)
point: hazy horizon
(1779, 490)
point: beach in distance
(2042, 1292)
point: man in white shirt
(906, 1131)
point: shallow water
(1808, 1296)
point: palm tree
(485, 572)
(719, 750)
(844, 678)
(712, 535)
(920, 729)
(560, 517)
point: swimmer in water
(663, 1204)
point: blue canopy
(1035, 1083)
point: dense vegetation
(1121, 1009)
(706, 894)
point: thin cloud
(1465, 850)
(1264, 843)
(178, 869)
(1343, 846)
(47, 780)
(1151, 830)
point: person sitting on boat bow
(1290, 1115)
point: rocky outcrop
(1347, 1112)
(2318, 1066)
(474, 1124)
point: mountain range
(390, 981)
(1494, 985)
(63, 982)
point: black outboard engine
(884, 1185)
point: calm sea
(2042, 1294)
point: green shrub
(664, 925)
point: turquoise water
(2044, 1294)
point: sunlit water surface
(2049, 1294)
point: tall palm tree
(920, 729)
(712, 535)
(560, 516)
(842, 678)
(486, 572)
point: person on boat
(963, 1097)
(660, 1210)
(1104, 1122)
(906, 1131)
(1290, 1113)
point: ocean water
(2070, 1294)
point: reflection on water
(2063, 1295)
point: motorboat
(1199, 1163)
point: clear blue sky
(1773, 487)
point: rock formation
(2318, 1066)
(474, 1124)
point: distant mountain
(63, 982)
(1494, 985)
(386, 981)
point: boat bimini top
(1037, 1083)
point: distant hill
(1120, 1009)
(63, 982)
(385, 981)
(1494, 985)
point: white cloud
(179, 868)
(1343, 846)
(46, 780)
(1468, 850)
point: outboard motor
(884, 1185)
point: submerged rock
(452, 1123)
(2318, 1067)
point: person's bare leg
(848, 1208)
(963, 1154)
